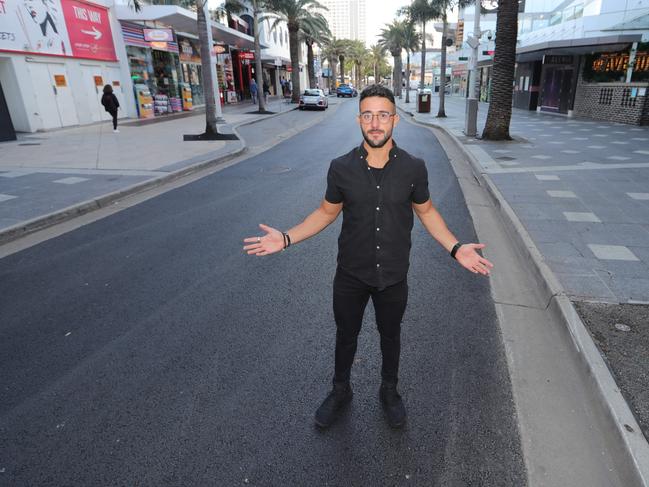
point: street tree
(377, 56)
(392, 37)
(500, 104)
(311, 34)
(357, 55)
(296, 14)
(422, 11)
(412, 42)
(328, 52)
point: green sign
(463, 58)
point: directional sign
(89, 30)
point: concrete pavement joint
(622, 420)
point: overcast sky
(378, 13)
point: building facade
(583, 58)
(346, 18)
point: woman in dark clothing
(109, 100)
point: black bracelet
(284, 237)
(455, 248)
(287, 240)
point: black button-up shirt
(374, 243)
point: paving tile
(14, 174)
(590, 287)
(547, 177)
(618, 158)
(639, 196)
(612, 252)
(645, 152)
(619, 142)
(71, 180)
(580, 138)
(559, 250)
(581, 216)
(628, 234)
(561, 194)
(625, 288)
(570, 151)
(6, 197)
(542, 157)
(596, 147)
(639, 138)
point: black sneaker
(328, 411)
(393, 406)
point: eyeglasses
(384, 117)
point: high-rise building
(346, 18)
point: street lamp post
(471, 115)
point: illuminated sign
(158, 35)
(620, 62)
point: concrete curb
(59, 216)
(634, 448)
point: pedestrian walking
(253, 90)
(266, 91)
(111, 104)
(377, 186)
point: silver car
(313, 98)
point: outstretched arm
(273, 240)
(466, 255)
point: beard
(376, 144)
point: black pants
(113, 113)
(350, 299)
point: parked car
(313, 98)
(346, 90)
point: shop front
(190, 66)
(527, 81)
(154, 63)
(558, 82)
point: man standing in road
(377, 186)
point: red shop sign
(247, 55)
(89, 30)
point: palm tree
(297, 14)
(412, 40)
(377, 54)
(422, 11)
(393, 39)
(500, 107)
(311, 35)
(357, 52)
(327, 52)
(340, 49)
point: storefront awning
(575, 46)
(184, 20)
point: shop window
(628, 101)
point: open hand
(268, 244)
(467, 256)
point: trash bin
(423, 100)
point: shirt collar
(363, 152)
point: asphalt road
(146, 348)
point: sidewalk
(46, 172)
(580, 188)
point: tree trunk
(376, 73)
(423, 55)
(407, 76)
(500, 104)
(206, 69)
(294, 47)
(310, 66)
(332, 75)
(358, 75)
(399, 87)
(441, 113)
(342, 69)
(261, 97)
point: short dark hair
(377, 90)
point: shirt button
(378, 187)
(377, 247)
(377, 229)
(377, 208)
(378, 265)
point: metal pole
(471, 118)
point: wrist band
(455, 249)
(287, 240)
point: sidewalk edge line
(615, 405)
(42, 222)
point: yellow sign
(60, 80)
(620, 62)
